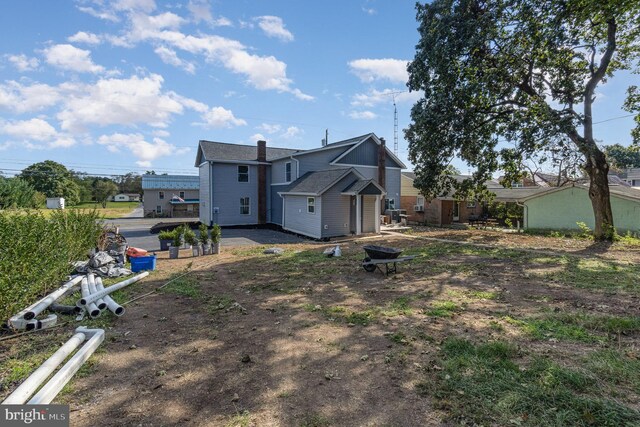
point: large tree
(502, 79)
(53, 180)
(103, 190)
(622, 157)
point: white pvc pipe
(106, 291)
(38, 307)
(45, 323)
(92, 309)
(31, 384)
(91, 281)
(113, 306)
(51, 389)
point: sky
(109, 87)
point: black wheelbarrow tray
(378, 255)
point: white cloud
(376, 97)
(273, 26)
(35, 130)
(291, 132)
(269, 128)
(103, 14)
(84, 37)
(363, 115)
(23, 63)
(219, 117)
(146, 152)
(118, 102)
(200, 11)
(368, 70)
(20, 98)
(369, 10)
(145, 27)
(135, 5)
(222, 22)
(257, 137)
(169, 56)
(68, 57)
(160, 133)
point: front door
(456, 211)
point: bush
(35, 253)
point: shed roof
(622, 191)
(170, 182)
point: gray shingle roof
(212, 150)
(317, 182)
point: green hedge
(35, 253)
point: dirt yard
(462, 335)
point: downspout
(51, 389)
(31, 384)
(89, 299)
(297, 167)
(113, 306)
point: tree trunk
(598, 169)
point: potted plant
(165, 237)
(204, 239)
(191, 239)
(216, 234)
(176, 241)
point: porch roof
(364, 186)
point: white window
(244, 206)
(311, 205)
(518, 184)
(159, 209)
(181, 194)
(161, 195)
(389, 204)
(243, 173)
(287, 172)
(420, 201)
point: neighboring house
(334, 190)
(561, 208)
(446, 210)
(630, 175)
(175, 196)
(128, 197)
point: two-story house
(334, 190)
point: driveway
(136, 230)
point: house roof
(212, 150)
(316, 183)
(333, 145)
(621, 191)
(491, 184)
(170, 182)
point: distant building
(173, 196)
(126, 197)
(630, 175)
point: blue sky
(108, 87)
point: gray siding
(364, 154)
(298, 220)
(205, 191)
(368, 214)
(393, 185)
(336, 212)
(319, 160)
(278, 171)
(227, 192)
(152, 199)
(276, 204)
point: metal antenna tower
(395, 126)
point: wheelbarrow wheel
(368, 267)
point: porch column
(377, 213)
(358, 214)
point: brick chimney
(382, 163)
(262, 183)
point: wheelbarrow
(378, 255)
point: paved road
(136, 230)
(137, 212)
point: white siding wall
(227, 192)
(298, 220)
(205, 192)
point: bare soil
(304, 340)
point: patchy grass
(315, 420)
(578, 326)
(241, 419)
(621, 369)
(484, 384)
(187, 286)
(443, 309)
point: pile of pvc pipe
(50, 390)
(95, 298)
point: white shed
(55, 203)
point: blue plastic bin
(140, 263)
